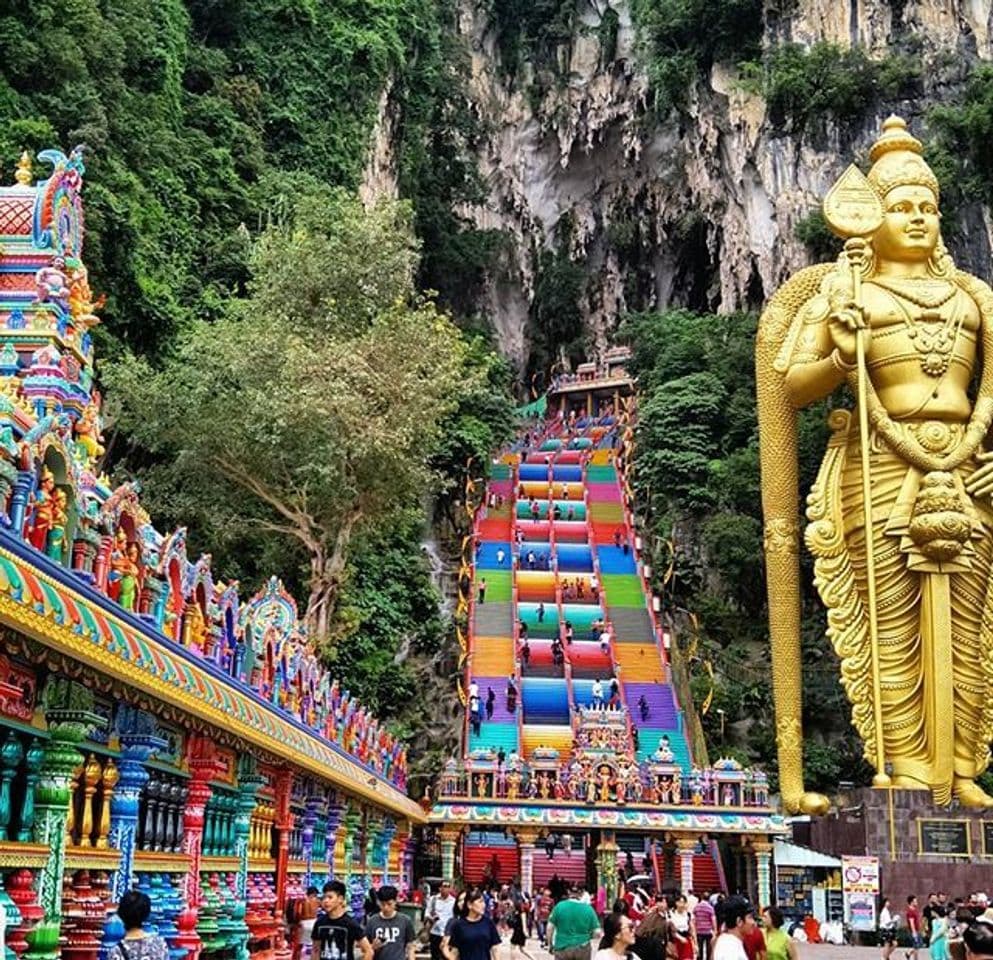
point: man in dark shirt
(391, 933)
(336, 934)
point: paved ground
(819, 951)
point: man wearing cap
(390, 933)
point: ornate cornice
(703, 820)
(88, 627)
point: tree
(311, 409)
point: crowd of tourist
(943, 927)
(569, 923)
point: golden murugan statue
(911, 618)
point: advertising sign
(860, 875)
(861, 910)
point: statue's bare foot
(903, 782)
(970, 794)
(814, 804)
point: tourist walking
(482, 590)
(473, 936)
(390, 933)
(683, 933)
(738, 920)
(913, 918)
(542, 910)
(336, 933)
(939, 933)
(887, 929)
(596, 693)
(705, 924)
(571, 926)
(134, 910)
(653, 934)
(618, 938)
(490, 703)
(511, 695)
(441, 907)
(779, 945)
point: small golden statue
(911, 474)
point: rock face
(698, 208)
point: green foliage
(389, 612)
(192, 111)
(696, 478)
(814, 232)
(530, 31)
(682, 39)
(961, 150)
(311, 417)
(555, 324)
(437, 171)
(804, 85)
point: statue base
(920, 846)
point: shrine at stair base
(156, 730)
(576, 763)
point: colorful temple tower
(156, 731)
(574, 740)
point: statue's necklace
(934, 345)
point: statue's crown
(897, 160)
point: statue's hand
(980, 484)
(846, 323)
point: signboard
(860, 875)
(946, 838)
(988, 838)
(861, 910)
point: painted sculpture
(909, 473)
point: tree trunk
(326, 569)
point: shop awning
(788, 854)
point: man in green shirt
(571, 927)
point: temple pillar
(19, 499)
(606, 865)
(284, 825)
(748, 863)
(336, 812)
(526, 840)
(204, 767)
(686, 847)
(138, 736)
(762, 850)
(384, 841)
(68, 708)
(307, 834)
(449, 837)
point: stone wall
(862, 826)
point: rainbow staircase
(559, 528)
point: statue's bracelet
(842, 366)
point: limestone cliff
(696, 207)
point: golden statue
(912, 618)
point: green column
(68, 710)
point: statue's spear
(854, 212)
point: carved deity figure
(911, 614)
(44, 509)
(55, 543)
(51, 282)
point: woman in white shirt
(617, 940)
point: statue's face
(910, 225)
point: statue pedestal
(936, 848)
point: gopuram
(576, 763)
(158, 730)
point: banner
(860, 875)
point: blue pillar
(19, 499)
(139, 740)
